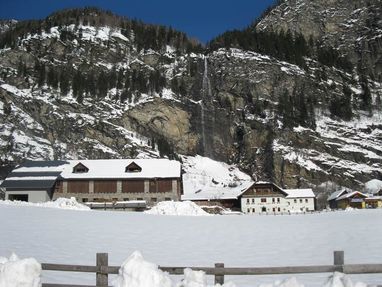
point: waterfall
(206, 95)
(206, 85)
(203, 126)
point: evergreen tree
(41, 73)
(285, 109)
(269, 168)
(366, 94)
(340, 106)
(64, 82)
(102, 85)
(52, 78)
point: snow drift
(136, 272)
(341, 280)
(60, 203)
(15, 272)
(186, 208)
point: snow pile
(373, 186)
(291, 282)
(186, 208)
(60, 203)
(198, 279)
(15, 272)
(136, 272)
(206, 179)
(341, 280)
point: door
(19, 197)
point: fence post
(219, 276)
(102, 275)
(339, 259)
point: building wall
(150, 190)
(33, 195)
(275, 204)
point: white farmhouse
(265, 197)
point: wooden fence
(102, 270)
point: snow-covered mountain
(89, 84)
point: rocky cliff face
(354, 28)
(270, 117)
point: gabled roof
(337, 194)
(351, 194)
(260, 184)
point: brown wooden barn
(152, 180)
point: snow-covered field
(73, 237)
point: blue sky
(202, 19)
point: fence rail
(102, 270)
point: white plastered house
(266, 197)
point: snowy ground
(73, 237)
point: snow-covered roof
(211, 193)
(116, 168)
(34, 175)
(298, 193)
(43, 174)
(337, 194)
(351, 194)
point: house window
(295, 201)
(278, 209)
(306, 200)
(253, 210)
(133, 167)
(126, 199)
(154, 199)
(274, 209)
(253, 200)
(139, 198)
(167, 199)
(80, 168)
(85, 200)
(273, 200)
(248, 210)
(278, 200)
(248, 200)
(263, 199)
(300, 200)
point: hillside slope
(76, 85)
